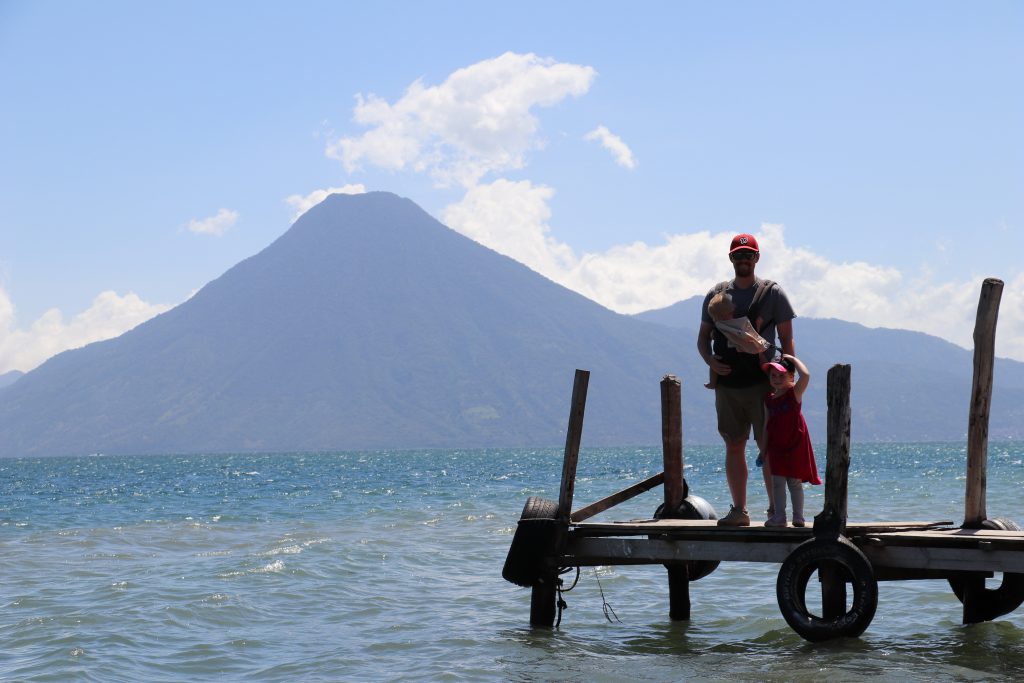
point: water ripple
(386, 567)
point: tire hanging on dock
(791, 588)
(533, 541)
(692, 507)
(995, 602)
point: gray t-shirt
(773, 309)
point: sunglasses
(743, 255)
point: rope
(562, 604)
(566, 570)
(605, 607)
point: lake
(386, 566)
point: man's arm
(704, 349)
(785, 332)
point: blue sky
(875, 148)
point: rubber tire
(791, 588)
(539, 508)
(996, 602)
(533, 541)
(693, 507)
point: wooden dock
(684, 537)
(896, 550)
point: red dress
(787, 444)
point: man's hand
(718, 366)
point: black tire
(532, 543)
(692, 507)
(995, 602)
(792, 586)
(539, 508)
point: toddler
(787, 444)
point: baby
(738, 331)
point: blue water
(387, 567)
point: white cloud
(614, 144)
(477, 122)
(214, 225)
(512, 218)
(109, 316)
(481, 121)
(303, 203)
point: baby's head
(721, 307)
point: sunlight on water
(387, 566)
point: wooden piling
(837, 457)
(672, 455)
(981, 400)
(672, 441)
(545, 590)
(678, 592)
(832, 520)
(543, 603)
(572, 443)
(975, 512)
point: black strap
(763, 287)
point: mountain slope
(367, 325)
(370, 325)
(9, 378)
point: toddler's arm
(802, 380)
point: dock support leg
(543, 601)
(678, 593)
(833, 592)
(974, 595)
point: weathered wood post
(672, 454)
(572, 443)
(981, 400)
(672, 440)
(832, 520)
(975, 512)
(543, 598)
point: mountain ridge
(370, 325)
(357, 368)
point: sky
(875, 149)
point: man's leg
(736, 471)
(734, 428)
(757, 419)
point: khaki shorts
(739, 409)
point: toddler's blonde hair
(721, 307)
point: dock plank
(639, 527)
(591, 551)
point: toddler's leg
(778, 517)
(796, 492)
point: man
(742, 385)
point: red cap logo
(743, 241)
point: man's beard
(743, 268)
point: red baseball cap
(743, 241)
